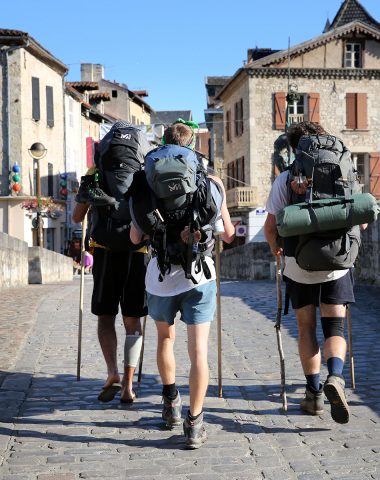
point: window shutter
(49, 107)
(351, 111)
(89, 152)
(361, 108)
(279, 110)
(241, 117)
(314, 107)
(36, 115)
(374, 168)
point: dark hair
(297, 130)
(178, 134)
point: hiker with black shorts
(119, 266)
(309, 288)
(173, 282)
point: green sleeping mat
(326, 214)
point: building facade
(32, 85)
(336, 79)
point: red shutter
(361, 109)
(374, 168)
(279, 110)
(314, 107)
(89, 152)
(351, 111)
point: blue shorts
(196, 305)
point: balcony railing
(242, 197)
(296, 118)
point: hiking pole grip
(142, 352)
(81, 291)
(278, 332)
(352, 364)
(218, 314)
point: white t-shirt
(277, 200)
(174, 282)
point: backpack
(117, 157)
(171, 193)
(328, 167)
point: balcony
(242, 197)
(296, 118)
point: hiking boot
(194, 431)
(171, 411)
(313, 401)
(334, 391)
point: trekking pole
(142, 352)
(278, 332)
(352, 365)
(218, 314)
(84, 228)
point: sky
(168, 48)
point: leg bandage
(332, 326)
(132, 350)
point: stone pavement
(53, 428)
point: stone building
(337, 78)
(32, 110)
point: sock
(335, 366)
(169, 391)
(192, 417)
(313, 381)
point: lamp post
(37, 151)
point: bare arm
(79, 212)
(135, 235)
(271, 234)
(229, 229)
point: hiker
(175, 282)
(118, 266)
(330, 289)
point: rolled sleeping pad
(326, 214)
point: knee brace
(332, 326)
(132, 350)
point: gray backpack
(327, 165)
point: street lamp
(38, 151)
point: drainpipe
(5, 51)
(68, 198)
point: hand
(186, 233)
(276, 250)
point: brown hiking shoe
(195, 432)
(334, 391)
(171, 411)
(313, 401)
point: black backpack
(173, 192)
(328, 167)
(118, 156)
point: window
(71, 112)
(50, 180)
(235, 173)
(36, 114)
(279, 110)
(353, 55)
(114, 93)
(239, 126)
(49, 107)
(356, 111)
(228, 126)
(133, 120)
(296, 110)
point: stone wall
(46, 266)
(13, 262)
(252, 261)
(368, 266)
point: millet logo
(175, 187)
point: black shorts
(119, 278)
(335, 292)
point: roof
(11, 37)
(260, 67)
(167, 117)
(137, 99)
(73, 93)
(98, 96)
(217, 80)
(141, 93)
(83, 86)
(350, 11)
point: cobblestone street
(53, 427)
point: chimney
(91, 72)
